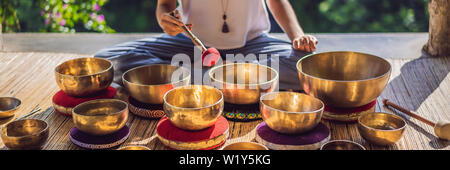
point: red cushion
(350, 110)
(62, 99)
(168, 131)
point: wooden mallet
(441, 128)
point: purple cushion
(318, 134)
(99, 142)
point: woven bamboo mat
(420, 84)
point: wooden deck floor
(418, 83)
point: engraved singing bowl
(343, 79)
(25, 134)
(291, 112)
(8, 105)
(193, 107)
(100, 117)
(243, 83)
(342, 145)
(245, 146)
(381, 128)
(84, 76)
(149, 83)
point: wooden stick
(410, 113)
(191, 35)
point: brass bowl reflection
(381, 128)
(193, 107)
(243, 83)
(291, 112)
(100, 117)
(342, 145)
(149, 83)
(84, 76)
(134, 148)
(245, 146)
(343, 79)
(8, 105)
(25, 134)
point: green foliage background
(314, 16)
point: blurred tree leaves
(139, 15)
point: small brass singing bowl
(245, 146)
(193, 107)
(149, 83)
(134, 148)
(84, 76)
(25, 134)
(343, 78)
(243, 83)
(100, 117)
(8, 105)
(291, 112)
(342, 145)
(381, 128)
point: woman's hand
(305, 43)
(171, 23)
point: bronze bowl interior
(245, 146)
(100, 117)
(291, 112)
(8, 105)
(243, 83)
(149, 83)
(25, 134)
(381, 128)
(84, 76)
(343, 79)
(134, 147)
(193, 107)
(342, 145)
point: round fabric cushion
(305, 141)
(88, 141)
(64, 103)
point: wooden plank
(420, 84)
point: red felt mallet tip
(210, 57)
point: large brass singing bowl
(84, 76)
(343, 79)
(100, 117)
(149, 83)
(8, 105)
(243, 83)
(291, 112)
(381, 128)
(25, 134)
(193, 107)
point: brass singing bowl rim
(359, 80)
(342, 141)
(384, 130)
(291, 112)
(134, 146)
(100, 100)
(15, 107)
(249, 84)
(193, 108)
(85, 75)
(239, 143)
(188, 76)
(28, 135)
